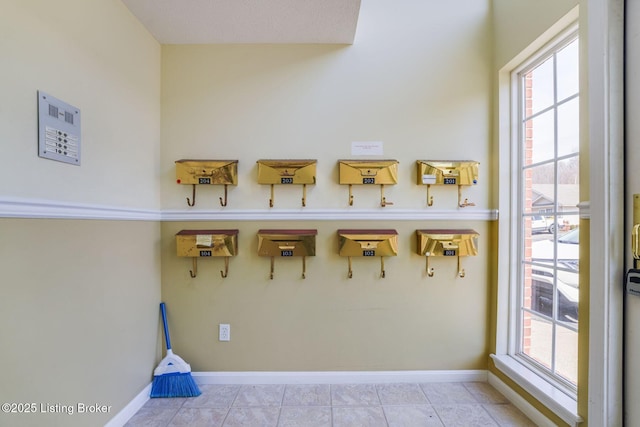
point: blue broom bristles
(175, 384)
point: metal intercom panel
(58, 130)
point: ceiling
(248, 21)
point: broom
(172, 377)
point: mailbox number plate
(204, 180)
(288, 252)
(450, 181)
(369, 252)
(205, 253)
(449, 252)
(286, 181)
(368, 180)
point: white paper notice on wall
(367, 148)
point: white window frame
(556, 45)
(552, 394)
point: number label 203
(286, 180)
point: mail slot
(368, 172)
(287, 243)
(368, 243)
(207, 243)
(287, 172)
(455, 173)
(447, 243)
(207, 172)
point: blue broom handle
(163, 310)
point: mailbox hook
(225, 273)
(304, 267)
(382, 272)
(272, 265)
(461, 272)
(465, 203)
(430, 271)
(429, 196)
(193, 196)
(350, 274)
(271, 199)
(350, 195)
(194, 271)
(224, 203)
(383, 200)
(304, 196)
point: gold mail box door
(368, 243)
(217, 172)
(287, 171)
(287, 243)
(207, 243)
(368, 172)
(447, 242)
(454, 172)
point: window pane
(539, 138)
(540, 85)
(567, 71)
(538, 191)
(537, 338)
(567, 353)
(569, 127)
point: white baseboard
(339, 377)
(519, 402)
(130, 410)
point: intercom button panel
(368, 243)
(287, 243)
(447, 242)
(287, 171)
(368, 172)
(212, 172)
(447, 172)
(207, 243)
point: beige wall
(405, 321)
(416, 78)
(517, 23)
(79, 306)
(97, 57)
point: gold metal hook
(304, 195)
(382, 272)
(383, 200)
(461, 272)
(193, 196)
(350, 195)
(304, 267)
(272, 267)
(226, 268)
(350, 274)
(466, 201)
(224, 203)
(271, 199)
(430, 271)
(194, 271)
(429, 196)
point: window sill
(557, 401)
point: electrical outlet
(224, 332)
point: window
(545, 281)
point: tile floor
(335, 405)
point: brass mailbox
(369, 172)
(207, 243)
(207, 172)
(368, 243)
(287, 243)
(287, 172)
(453, 243)
(448, 172)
